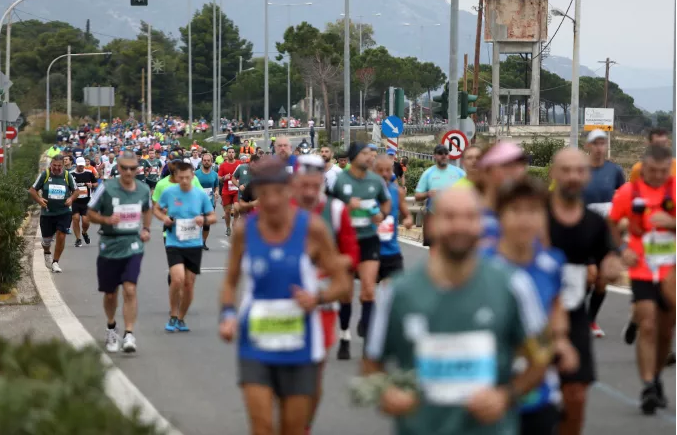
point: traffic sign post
(467, 126)
(11, 133)
(456, 142)
(392, 127)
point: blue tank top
(390, 246)
(273, 328)
(491, 228)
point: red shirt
(228, 168)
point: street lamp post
(47, 123)
(190, 69)
(218, 102)
(266, 101)
(214, 80)
(575, 63)
(346, 77)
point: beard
(326, 159)
(443, 163)
(462, 247)
(570, 193)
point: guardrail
(417, 210)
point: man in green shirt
(242, 175)
(155, 170)
(123, 209)
(368, 200)
(58, 193)
(458, 321)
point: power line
(557, 30)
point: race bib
(386, 229)
(56, 191)
(361, 217)
(659, 249)
(277, 325)
(231, 186)
(452, 367)
(187, 229)
(130, 216)
(601, 208)
(140, 170)
(290, 169)
(83, 192)
(153, 170)
(209, 191)
(574, 279)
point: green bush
(540, 173)
(48, 136)
(541, 150)
(419, 147)
(411, 178)
(51, 388)
(321, 136)
(420, 163)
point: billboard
(515, 20)
(598, 118)
(99, 96)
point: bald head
(567, 156)
(283, 147)
(456, 224)
(571, 173)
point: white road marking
(118, 387)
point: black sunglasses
(129, 168)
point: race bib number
(153, 170)
(361, 217)
(187, 229)
(130, 216)
(601, 208)
(574, 279)
(386, 229)
(659, 249)
(277, 325)
(140, 170)
(106, 171)
(83, 192)
(452, 367)
(231, 186)
(290, 169)
(56, 191)
(209, 191)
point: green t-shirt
(219, 160)
(121, 240)
(56, 190)
(464, 182)
(457, 341)
(165, 183)
(141, 171)
(243, 176)
(53, 151)
(155, 169)
(372, 192)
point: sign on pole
(376, 135)
(11, 133)
(282, 111)
(467, 126)
(599, 118)
(5, 83)
(99, 96)
(456, 141)
(10, 112)
(392, 127)
(393, 143)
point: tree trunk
(384, 110)
(554, 115)
(430, 105)
(327, 120)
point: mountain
(562, 67)
(652, 99)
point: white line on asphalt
(118, 386)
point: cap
(502, 153)
(80, 161)
(372, 147)
(391, 152)
(174, 157)
(309, 163)
(440, 149)
(596, 134)
(186, 160)
(157, 146)
(244, 157)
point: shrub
(411, 178)
(541, 150)
(52, 388)
(48, 136)
(540, 173)
(321, 136)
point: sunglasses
(129, 168)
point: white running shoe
(48, 261)
(129, 343)
(112, 340)
(56, 268)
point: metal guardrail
(417, 210)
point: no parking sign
(456, 142)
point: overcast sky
(634, 33)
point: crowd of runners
(491, 334)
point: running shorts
(580, 337)
(390, 264)
(648, 291)
(191, 258)
(370, 248)
(229, 198)
(285, 380)
(329, 327)
(151, 184)
(49, 225)
(79, 208)
(112, 272)
(543, 421)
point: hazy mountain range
(652, 89)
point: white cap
(80, 161)
(596, 134)
(186, 160)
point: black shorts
(579, 334)
(370, 248)
(206, 228)
(151, 184)
(49, 225)
(191, 258)
(648, 291)
(543, 421)
(79, 208)
(389, 265)
(284, 380)
(112, 272)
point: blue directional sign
(392, 127)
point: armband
(227, 312)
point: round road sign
(456, 141)
(11, 133)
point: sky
(637, 34)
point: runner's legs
(259, 402)
(574, 396)
(178, 274)
(76, 225)
(129, 309)
(646, 316)
(186, 297)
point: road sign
(11, 133)
(599, 118)
(282, 111)
(456, 141)
(467, 126)
(10, 112)
(5, 83)
(392, 126)
(2, 156)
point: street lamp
(47, 124)
(575, 63)
(190, 68)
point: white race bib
(209, 191)
(231, 186)
(601, 208)
(452, 367)
(130, 216)
(277, 325)
(56, 191)
(187, 229)
(83, 192)
(386, 229)
(574, 279)
(659, 249)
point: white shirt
(331, 175)
(271, 123)
(195, 161)
(311, 123)
(128, 134)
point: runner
(582, 235)
(649, 205)
(283, 151)
(308, 193)
(280, 338)
(155, 170)
(246, 201)
(342, 161)
(331, 171)
(471, 157)
(209, 180)
(369, 203)
(229, 192)
(243, 175)
(451, 318)
(58, 193)
(122, 207)
(195, 158)
(143, 167)
(85, 181)
(183, 210)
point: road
(191, 378)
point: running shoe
(48, 261)
(205, 247)
(343, 350)
(629, 332)
(86, 237)
(227, 231)
(649, 400)
(662, 400)
(56, 268)
(596, 330)
(129, 343)
(181, 326)
(78, 243)
(171, 325)
(112, 340)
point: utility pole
(346, 77)
(608, 63)
(476, 65)
(465, 72)
(266, 100)
(68, 87)
(453, 66)
(149, 99)
(573, 139)
(218, 102)
(214, 67)
(143, 93)
(190, 69)
(239, 106)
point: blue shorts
(112, 272)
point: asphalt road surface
(191, 377)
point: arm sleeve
(380, 343)
(221, 171)
(40, 181)
(347, 239)
(532, 316)
(163, 200)
(422, 185)
(95, 202)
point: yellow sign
(598, 127)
